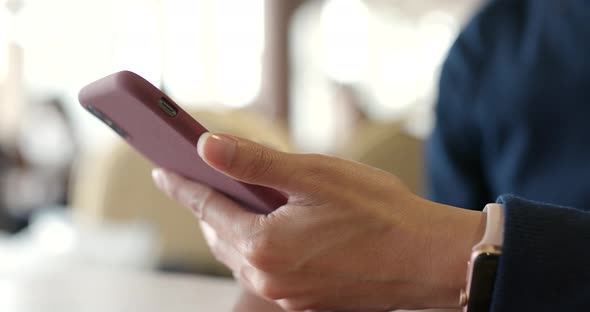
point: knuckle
(260, 165)
(200, 200)
(267, 289)
(317, 167)
(217, 254)
(317, 175)
(174, 191)
(262, 253)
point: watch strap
(494, 232)
(490, 245)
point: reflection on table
(115, 291)
(100, 291)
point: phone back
(164, 133)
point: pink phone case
(159, 129)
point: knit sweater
(513, 117)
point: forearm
(453, 233)
(544, 262)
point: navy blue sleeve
(545, 262)
(453, 160)
(467, 147)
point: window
(203, 52)
(387, 54)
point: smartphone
(164, 133)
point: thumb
(250, 162)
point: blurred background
(353, 78)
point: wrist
(454, 231)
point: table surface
(115, 291)
(112, 291)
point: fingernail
(159, 178)
(216, 149)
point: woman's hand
(350, 238)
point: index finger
(229, 220)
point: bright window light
(54, 235)
(344, 25)
(138, 44)
(4, 35)
(186, 45)
(57, 239)
(67, 42)
(13, 293)
(240, 40)
(203, 52)
(406, 62)
(213, 50)
(437, 30)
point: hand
(350, 238)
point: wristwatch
(483, 264)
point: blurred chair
(388, 146)
(116, 186)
